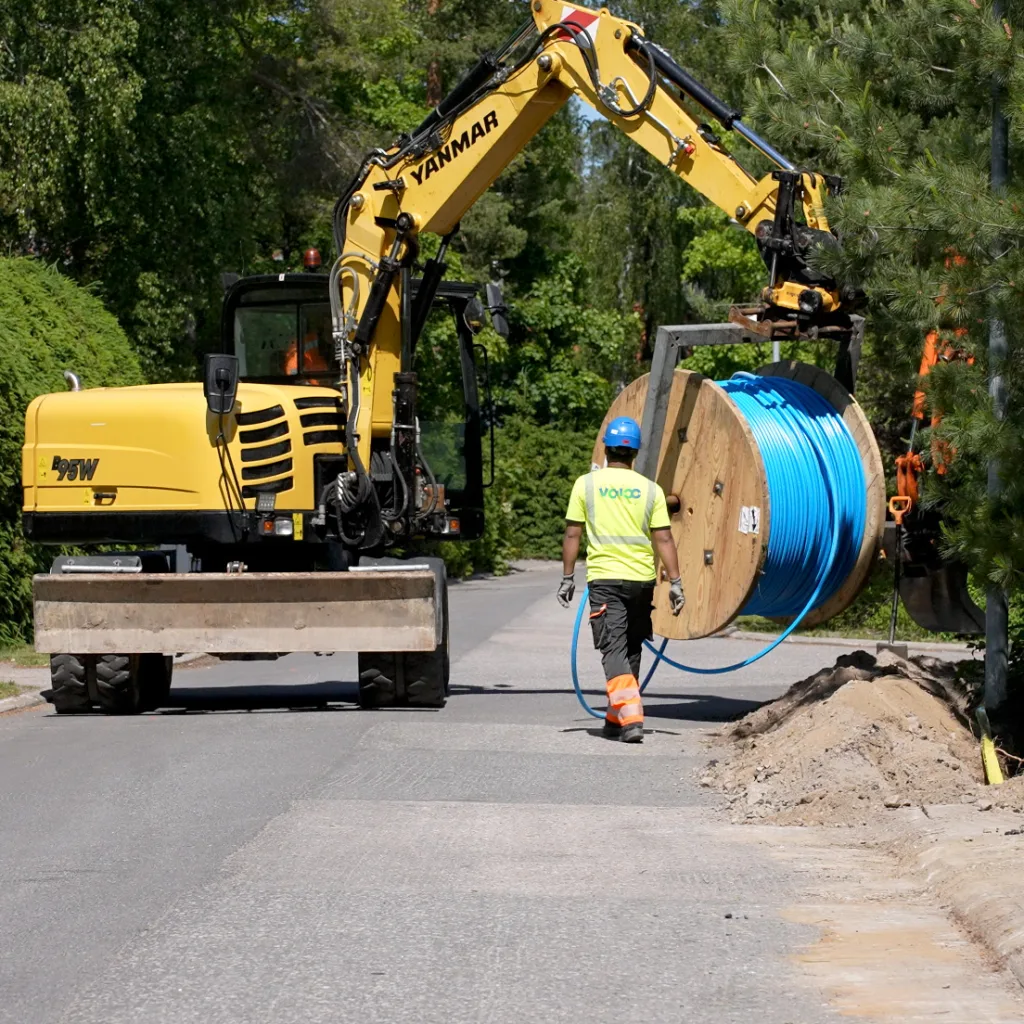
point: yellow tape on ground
(993, 772)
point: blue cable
(818, 506)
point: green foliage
(898, 99)
(147, 147)
(565, 360)
(537, 466)
(23, 655)
(47, 325)
(721, 258)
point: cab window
(275, 341)
(442, 403)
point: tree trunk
(435, 92)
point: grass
(9, 690)
(23, 656)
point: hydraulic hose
(818, 511)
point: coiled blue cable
(818, 498)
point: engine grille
(326, 425)
(263, 462)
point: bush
(47, 324)
(535, 467)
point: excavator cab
(279, 328)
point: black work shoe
(611, 730)
(632, 733)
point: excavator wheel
(410, 678)
(129, 683)
(69, 689)
(117, 684)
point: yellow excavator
(270, 495)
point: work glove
(675, 595)
(565, 590)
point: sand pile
(862, 735)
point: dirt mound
(864, 734)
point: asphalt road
(264, 852)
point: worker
(623, 512)
(315, 346)
(312, 358)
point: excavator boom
(428, 180)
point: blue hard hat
(623, 432)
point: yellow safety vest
(619, 508)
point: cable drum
(782, 502)
(773, 470)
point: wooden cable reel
(710, 459)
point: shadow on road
(704, 707)
(337, 695)
(689, 707)
(325, 696)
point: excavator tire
(410, 678)
(378, 680)
(117, 684)
(155, 672)
(426, 684)
(69, 690)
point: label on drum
(750, 519)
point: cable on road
(818, 497)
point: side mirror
(497, 308)
(220, 382)
(474, 315)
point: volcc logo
(619, 492)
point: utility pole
(996, 612)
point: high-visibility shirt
(311, 357)
(619, 508)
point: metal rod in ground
(996, 612)
(896, 585)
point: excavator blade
(232, 613)
(938, 600)
(933, 591)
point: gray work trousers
(620, 617)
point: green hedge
(535, 467)
(48, 324)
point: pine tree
(897, 97)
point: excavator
(932, 587)
(275, 497)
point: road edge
(21, 701)
(926, 646)
(965, 858)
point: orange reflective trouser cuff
(624, 707)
